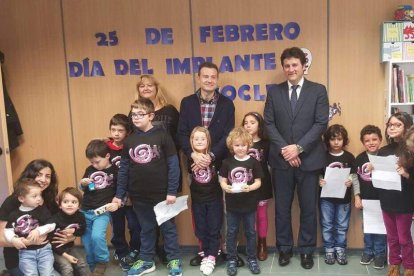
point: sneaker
(329, 258)
(175, 268)
(341, 258)
(127, 261)
(379, 262)
(232, 267)
(141, 267)
(253, 266)
(208, 265)
(366, 259)
(240, 261)
(196, 261)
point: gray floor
(270, 266)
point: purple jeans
(400, 242)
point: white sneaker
(208, 266)
(202, 264)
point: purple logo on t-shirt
(256, 154)
(116, 161)
(240, 175)
(143, 154)
(101, 180)
(364, 173)
(24, 225)
(336, 165)
(203, 175)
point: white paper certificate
(384, 174)
(372, 214)
(335, 182)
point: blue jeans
(37, 261)
(148, 222)
(233, 225)
(375, 244)
(118, 230)
(335, 223)
(208, 219)
(94, 238)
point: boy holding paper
(149, 172)
(335, 211)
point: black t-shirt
(114, 152)
(345, 160)
(397, 201)
(205, 186)
(167, 117)
(367, 190)
(65, 221)
(260, 152)
(23, 222)
(147, 154)
(105, 187)
(237, 171)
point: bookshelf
(399, 80)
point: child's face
(395, 128)
(147, 89)
(43, 178)
(240, 148)
(69, 204)
(118, 133)
(141, 118)
(100, 163)
(371, 142)
(336, 144)
(33, 198)
(199, 141)
(251, 125)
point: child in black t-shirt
(70, 220)
(206, 201)
(241, 177)
(149, 172)
(98, 184)
(31, 221)
(335, 212)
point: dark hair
(96, 148)
(207, 64)
(370, 129)
(22, 186)
(335, 131)
(293, 52)
(120, 119)
(261, 132)
(405, 118)
(145, 104)
(406, 155)
(72, 191)
(49, 194)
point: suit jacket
(220, 126)
(303, 127)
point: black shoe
(240, 261)
(284, 258)
(221, 258)
(306, 261)
(196, 261)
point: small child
(30, 222)
(149, 172)
(98, 184)
(241, 176)
(206, 201)
(375, 245)
(335, 212)
(254, 124)
(127, 254)
(69, 260)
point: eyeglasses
(138, 115)
(396, 125)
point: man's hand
(201, 160)
(18, 243)
(117, 201)
(112, 207)
(295, 162)
(62, 238)
(290, 152)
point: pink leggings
(261, 219)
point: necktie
(293, 98)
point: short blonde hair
(159, 95)
(238, 133)
(206, 132)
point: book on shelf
(402, 86)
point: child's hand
(358, 202)
(322, 182)
(18, 243)
(369, 168)
(348, 183)
(85, 181)
(33, 235)
(112, 207)
(170, 199)
(70, 258)
(117, 201)
(246, 188)
(401, 171)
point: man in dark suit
(208, 108)
(296, 115)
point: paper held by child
(372, 215)
(384, 174)
(164, 211)
(335, 182)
